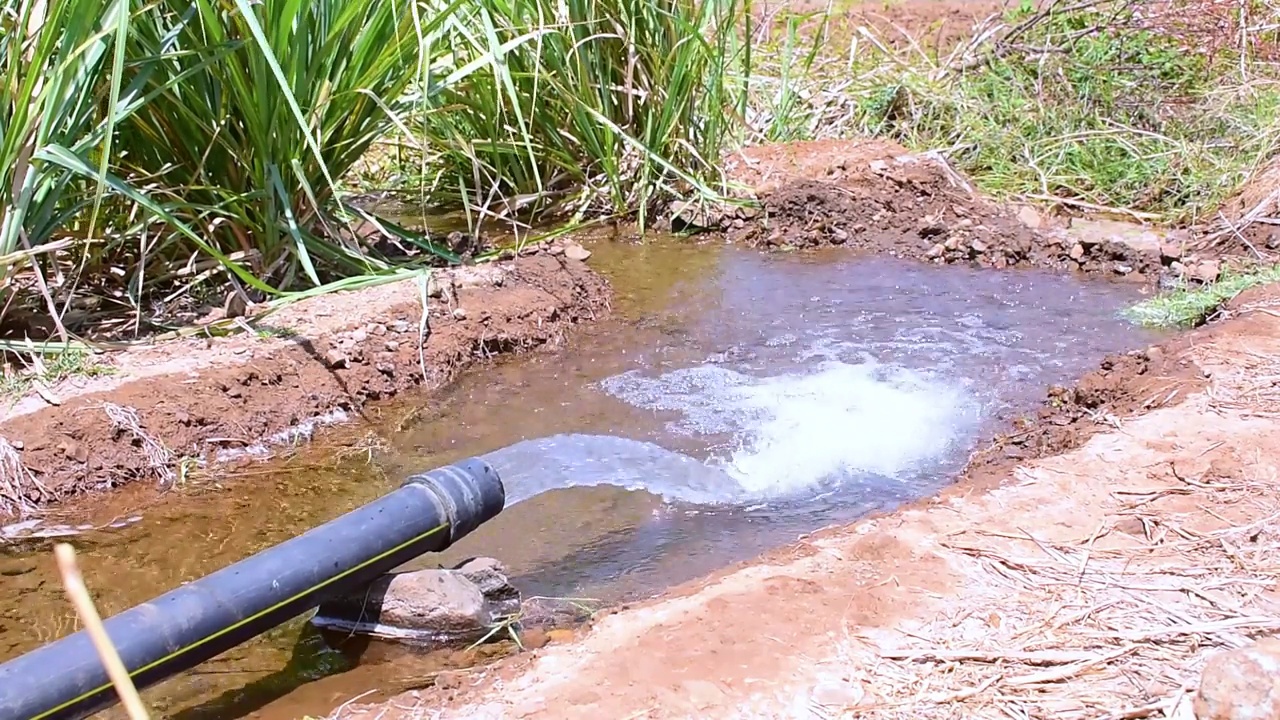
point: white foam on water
(833, 421)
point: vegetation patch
(1190, 306)
(1095, 105)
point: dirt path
(1090, 582)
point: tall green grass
(591, 106)
(146, 148)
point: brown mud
(168, 405)
(876, 197)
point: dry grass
(21, 492)
(160, 459)
(1116, 624)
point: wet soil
(198, 400)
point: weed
(49, 370)
(1189, 306)
(1087, 107)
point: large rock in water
(425, 607)
(1241, 684)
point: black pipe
(201, 619)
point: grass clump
(49, 370)
(580, 106)
(1189, 306)
(1090, 105)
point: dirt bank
(876, 197)
(167, 406)
(1089, 583)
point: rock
(1206, 272)
(1028, 216)
(695, 216)
(437, 607)
(1170, 251)
(838, 694)
(399, 326)
(556, 250)
(376, 329)
(1177, 268)
(1241, 684)
(459, 314)
(574, 251)
(359, 335)
(1122, 269)
(838, 236)
(335, 358)
(392, 346)
(936, 251)
(978, 246)
(1077, 252)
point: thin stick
(74, 584)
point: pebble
(392, 346)
(459, 314)
(1077, 252)
(1030, 217)
(377, 329)
(574, 251)
(399, 326)
(335, 358)
(838, 694)
(359, 335)
(555, 250)
(1241, 684)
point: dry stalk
(21, 491)
(1108, 625)
(160, 459)
(79, 595)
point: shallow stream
(733, 402)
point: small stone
(359, 335)
(574, 251)
(1077, 252)
(459, 314)
(1155, 354)
(1177, 268)
(335, 358)
(1028, 216)
(1206, 272)
(556, 250)
(507, 254)
(1170, 251)
(1241, 684)
(73, 450)
(838, 236)
(964, 223)
(952, 243)
(534, 638)
(936, 251)
(979, 246)
(1122, 269)
(399, 326)
(838, 694)
(376, 329)
(386, 368)
(392, 346)
(18, 444)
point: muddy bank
(1093, 582)
(876, 197)
(168, 406)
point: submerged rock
(434, 607)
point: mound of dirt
(877, 198)
(204, 399)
